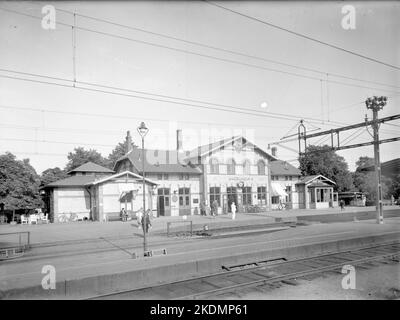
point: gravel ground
(375, 283)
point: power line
(304, 36)
(231, 108)
(280, 116)
(201, 55)
(220, 49)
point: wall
(71, 204)
(224, 180)
(174, 183)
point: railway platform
(81, 274)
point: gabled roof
(282, 168)
(73, 181)
(309, 179)
(159, 161)
(121, 174)
(208, 149)
(91, 167)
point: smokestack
(128, 142)
(179, 147)
(273, 151)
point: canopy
(277, 190)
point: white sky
(25, 46)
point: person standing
(233, 209)
(215, 208)
(146, 224)
(203, 208)
(342, 204)
(139, 218)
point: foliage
(118, 152)
(19, 183)
(365, 181)
(52, 174)
(80, 156)
(323, 160)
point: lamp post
(142, 130)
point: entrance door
(184, 201)
(232, 197)
(164, 206)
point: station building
(232, 170)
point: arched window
(214, 166)
(230, 166)
(261, 168)
(246, 167)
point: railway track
(263, 273)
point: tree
(52, 174)
(365, 181)
(323, 160)
(118, 152)
(19, 184)
(80, 156)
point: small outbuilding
(316, 192)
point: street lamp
(143, 131)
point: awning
(278, 191)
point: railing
(14, 247)
(180, 221)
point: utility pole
(376, 104)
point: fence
(14, 244)
(185, 231)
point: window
(215, 194)
(214, 166)
(261, 168)
(275, 200)
(286, 178)
(289, 192)
(231, 166)
(246, 191)
(246, 167)
(290, 178)
(184, 196)
(166, 176)
(262, 195)
(159, 177)
(164, 192)
(183, 176)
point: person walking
(233, 209)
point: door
(184, 201)
(164, 206)
(161, 207)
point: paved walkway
(86, 231)
(14, 274)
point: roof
(388, 168)
(72, 181)
(159, 161)
(91, 167)
(309, 179)
(280, 167)
(208, 149)
(105, 179)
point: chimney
(273, 151)
(179, 140)
(128, 142)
